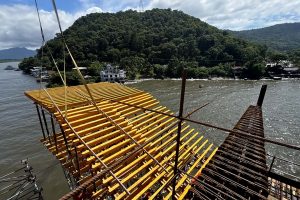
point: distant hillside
(282, 37)
(16, 53)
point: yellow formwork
(156, 132)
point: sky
(19, 25)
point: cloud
(236, 14)
(19, 25)
(224, 14)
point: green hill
(282, 37)
(154, 43)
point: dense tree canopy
(155, 43)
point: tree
(28, 63)
(202, 72)
(159, 71)
(132, 66)
(95, 68)
(294, 56)
(217, 71)
(254, 70)
(113, 55)
(172, 69)
(140, 42)
(147, 71)
(277, 57)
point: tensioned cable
(65, 82)
(122, 130)
(88, 90)
(85, 144)
(43, 43)
(64, 79)
(69, 52)
(53, 60)
(73, 60)
(38, 13)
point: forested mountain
(16, 53)
(282, 37)
(155, 43)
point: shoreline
(213, 79)
(9, 60)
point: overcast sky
(19, 23)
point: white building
(36, 72)
(113, 74)
(283, 63)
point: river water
(20, 131)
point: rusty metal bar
(226, 160)
(261, 95)
(85, 144)
(54, 133)
(219, 186)
(189, 114)
(40, 119)
(98, 175)
(239, 177)
(179, 131)
(94, 185)
(283, 179)
(197, 180)
(243, 133)
(122, 130)
(199, 194)
(65, 140)
(77, 160)
(46, 125)
(236, 156)
(277, 158)
(271, 165)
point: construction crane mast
(141, 6)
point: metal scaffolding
(119, 142)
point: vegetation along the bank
(157, 43)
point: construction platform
(239, 170)
(117, 142)
(143, 163)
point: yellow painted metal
(198, 173)
(183, 179)
(164, 184)
(207, 161)
(157, 132)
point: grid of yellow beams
(140, 173)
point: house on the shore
(281, 63)
(282, 69)
(238, 71)
(113, 74)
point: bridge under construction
(120, 143)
